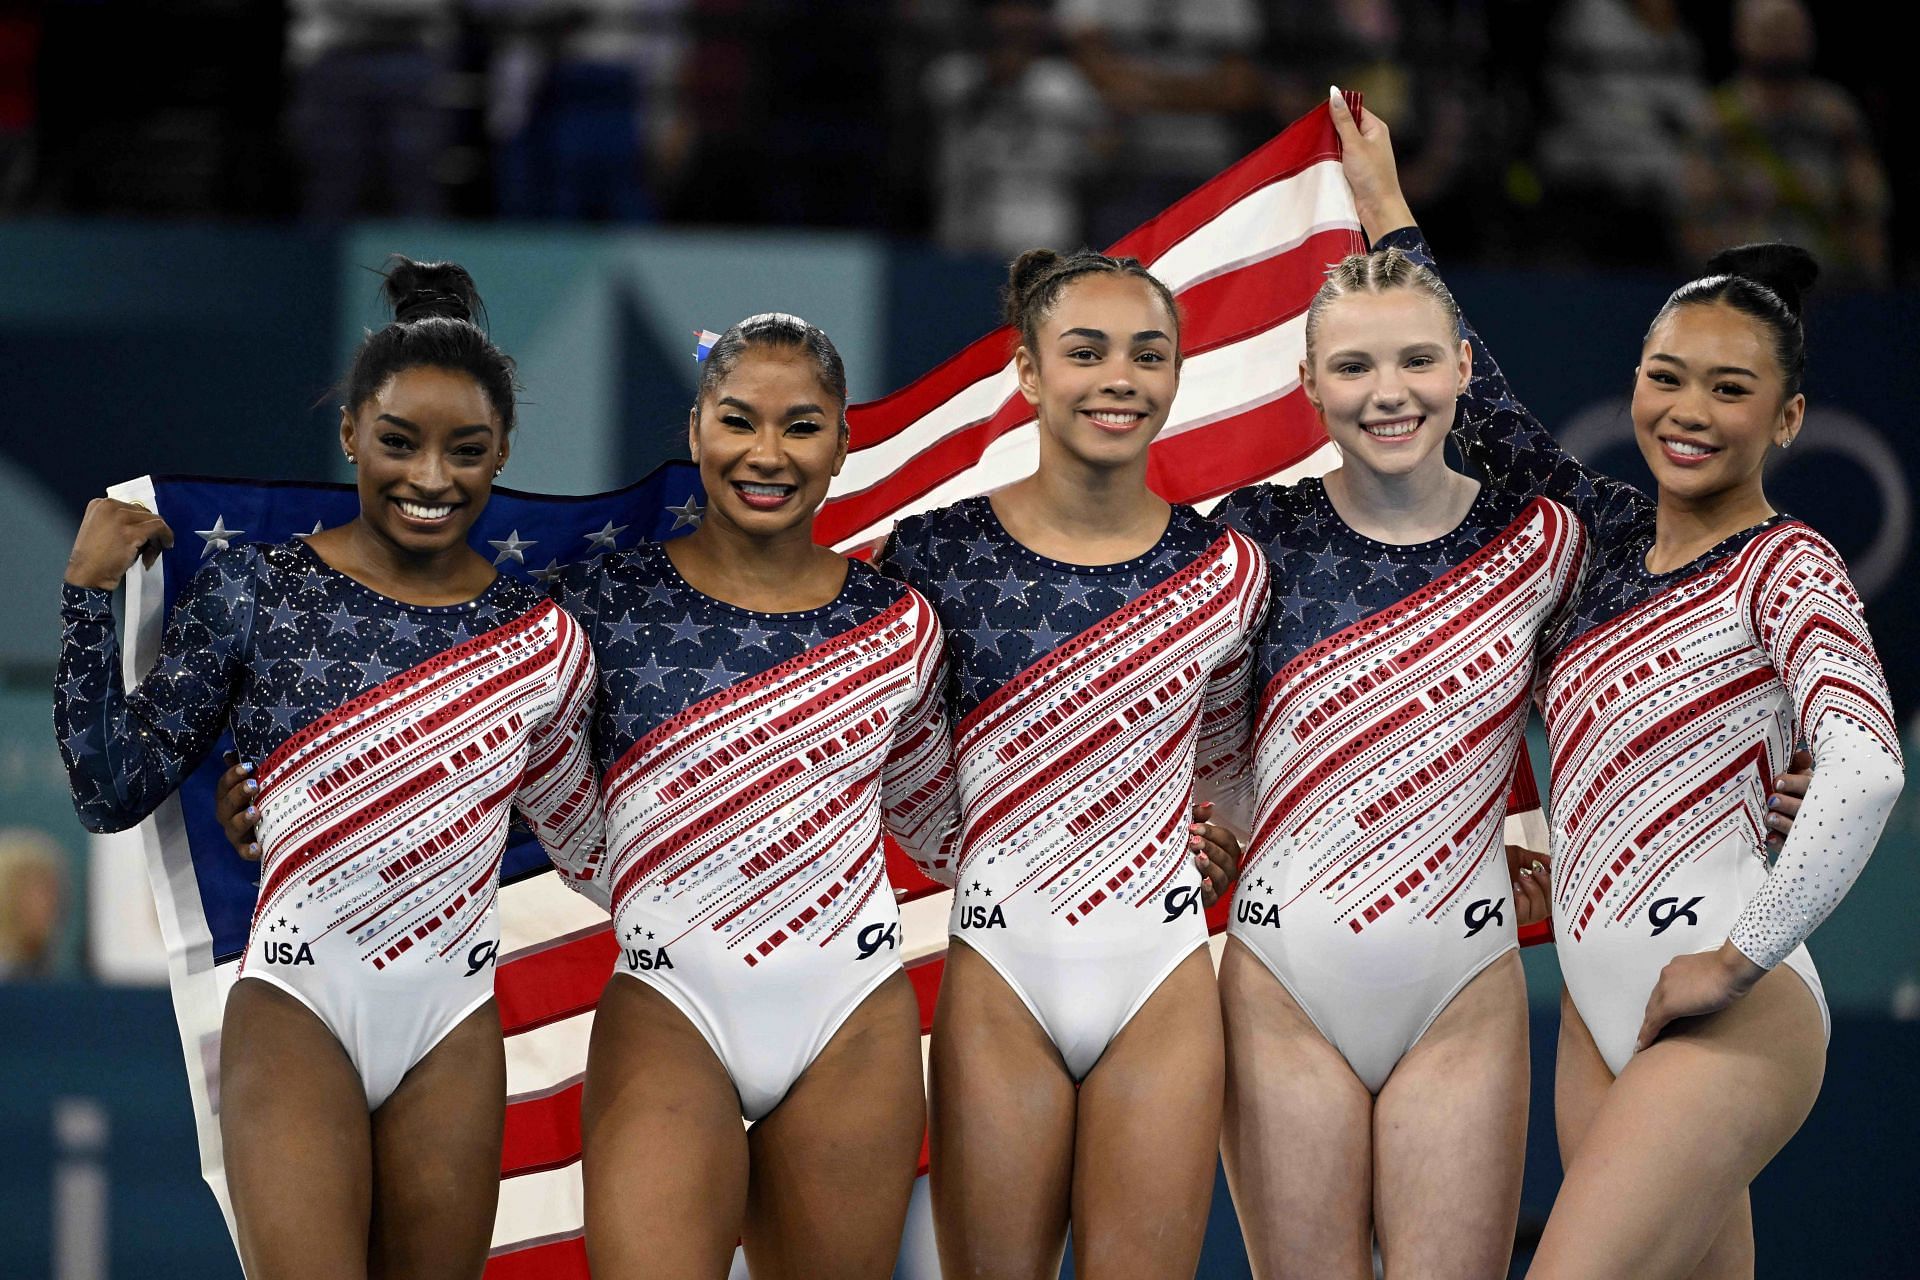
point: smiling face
(1708, 401)
(1385, 371)
(426, 445)
(768, 442)
(1103, 377)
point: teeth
(1392, 430)
(1115, 419)
(765, 490)
(1688, 448)
(419, 512)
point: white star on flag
(511, 547)
(606, 536)
(686, 514)
(548, 574)
(218, 537)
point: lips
(1393, 430)
(1686, 453)
(1117, 422)
(764, 497)
(425, 515)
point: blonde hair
(1377, 272)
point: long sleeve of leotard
(917, 784)
(1223, 756)
(1512, 448)
(126, 752)
(1804, 613)
(560, 792)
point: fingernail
(246, 766)
(1333, 91)
(252, 812)
(1196, 827)
(252, 786)
(1516, 886)
(1773, 802)
(254, 849)
(1526, 871)
(1537, 865)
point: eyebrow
(1099, 335)
(1713, 372)
(471, 429)
(793, 411)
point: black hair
(1036, 277)
(433, 305)
(776, 329)
(1767, 282)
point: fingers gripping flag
(1243, 254)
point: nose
(1691, 409)
(428, 473)
(1117, 378)
(1389, 390)
(768, 453)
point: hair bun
(1022, 273)
(1787, 269)
(429, 290)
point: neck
(1685, 526)
(379, 557)
(727, 553)
(1417, 506)
(1067, 493)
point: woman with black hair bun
(402, 698)
(1712, 635)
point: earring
(352, 461)
(1786, 442)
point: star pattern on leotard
(1004, 607)
(664, 647)
(265, 639)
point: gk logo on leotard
(1664, 913)
(876, 936)
(1484, 912)
(482, 955)
(1180, 901)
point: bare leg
(1450, 1135)
(1149, 1132)
(665, 1152)
(1002, 1109)
(1298, 1133)
(436, 1157)
(833, 1165)
(1681, 1133)
(298, 1144)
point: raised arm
(1498, 434)
(917, 785)
(127, 752)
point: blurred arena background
(192, 193)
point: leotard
(392, 740)
(1671, 703)
(750, 760)
(1085, 698)
(1394, 686)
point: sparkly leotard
(393, 741)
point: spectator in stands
(1629, 102)
(1019, 131)
(33, 876)
(580, 93)
(369, 116)
(1786, 155)
(1179, 78)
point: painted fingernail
(252, 813)
(1773, 802)
(1526, 871)
(254, 849)
(1537, 865)
(252, 786)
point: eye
(736, 422)
(394, 440)
(1662, 377)
(804, 427)
(1083, 354)
(1420, 362)
(470, 451)
(1348, 368)
(1151, 357)
(1731, 389)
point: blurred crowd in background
(1605, 132)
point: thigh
(833, 1165)
(1297, 1136)
(665, 1151)
(1731, 1255)
(436, 1157)
(1581, 1079)
(1001, 1113)
(296, 1137)
(1148, 1134)
(1450, 1135)
(1682, 1132)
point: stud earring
(352, 461)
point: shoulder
(247, 562)
(920, 542)
(1792, 545)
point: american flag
(1243, 254)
